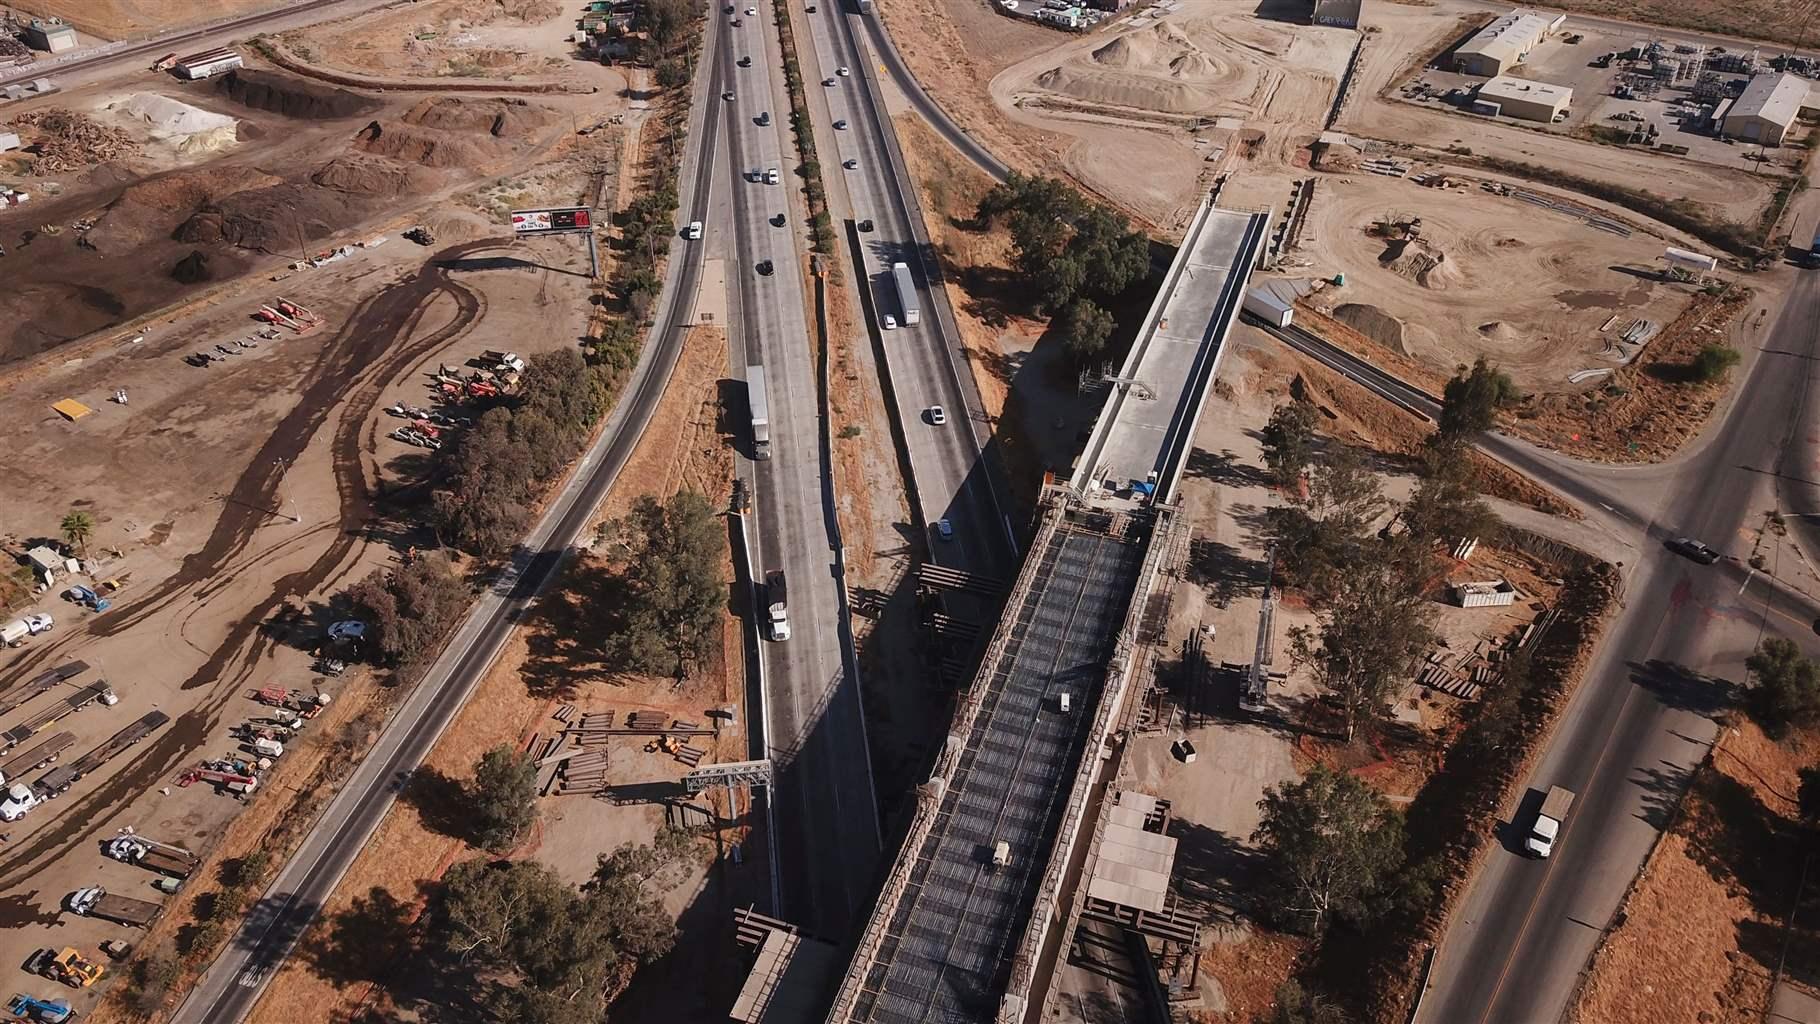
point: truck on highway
(1268, 308)
(777, 606)
(761, 412)
(1547, 827)
(906, 294)
(96, 901)
(163, 858)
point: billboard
(565, 220)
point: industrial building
(1505, 42)
(1338, 13)
(52, 35)
(1523, 99)
(208, 63)
(1767, 110)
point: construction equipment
(235, 780)
(96, 901)
(421, 235)
(152, 855)
(50, 1011)
(89, 599)
(66, 966)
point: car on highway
(1687, 547)
(729, 9)
(829, 81)
(864, 225)
(751, 12)
(765, 268)
(771, 176)
(737, 23)
(938, 415)
(745, 62)
(840, 126)
(728, 95)
(763, 118)
(842, 71)
(850, 163)
(777, 221)
(890, 322)
(693, 231)
(944, 529)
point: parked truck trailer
(58, 780)
(96, 901)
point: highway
(823, 795)
(228, 990)
(952, 476)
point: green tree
(1330, 843)
(1787, 690)
(1322, 535)
(1374, 630)
(1471, 400)
(1085, 329)
(1289, 441)
(1446, 507)
(1713, 362)
(504, 797)
(78, 527)
(670, 560)
(408, 611)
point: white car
(751, 12)
(771, 176)
(850, 163)
(39, 623)
(890, 322)
(694, 230)
(938, 415)
(842, 71)
(348, 629)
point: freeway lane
(828, 838)
(1640, 720)
(228, 990)
(951, 479)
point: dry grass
(1249, 972)
(1778, 21)
(119, 19)
(1702, 931)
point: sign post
(566, 220)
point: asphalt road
(228, 990)
(925, 105)
(823, 794)
(953, 476)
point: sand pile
(1135, 50)
(1421, 262)
(500, 118)
(363, 174)
(1373, 323)
(191, 130)
(291, 97)
(1499, 331)
(1159, 68)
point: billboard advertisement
(549, 222)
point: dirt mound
(1422, 263)
(1195, 65)
(500, 118)
(368, 175)
(291, 97)
(426, 147)
(1373, 323)
(1498, 330)
(271, 218)
(151, 209)
(1135, 50)
(192, 269)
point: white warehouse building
(1768, 108)
(1529, 101)
(1493, 49)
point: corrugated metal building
(1504, 42)
(1768, 108)
(1338, 13)
(1530, 101)
(52, 35)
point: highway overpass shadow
(1216, 870)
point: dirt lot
(1444, 295)
(1703, 931)
(494, 39)
(229, 558)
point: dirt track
(377, 344)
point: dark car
(765, 268)
(864, 225)
(745, 62)
(777, 221)
(1687, 547)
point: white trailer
(209, 63)
(1261, 303)
(761, 412)
(906, 294)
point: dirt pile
(368, 175)
(151, 209)
(67, 141)
(1373, 323)
(500, 118)
(1499, 331)
(426, 147)
(272, 218)
(291, 97)
(1421, 262)
(192, 269)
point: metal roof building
(1531, 101)
(1505, 41)
(1768, 108)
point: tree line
(1075, 255)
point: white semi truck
(761, 412)
(906, 294)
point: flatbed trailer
(59, 780)
(43, 682)
(37, 757)
(55, 713)
(166, 862)
(120, 909)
